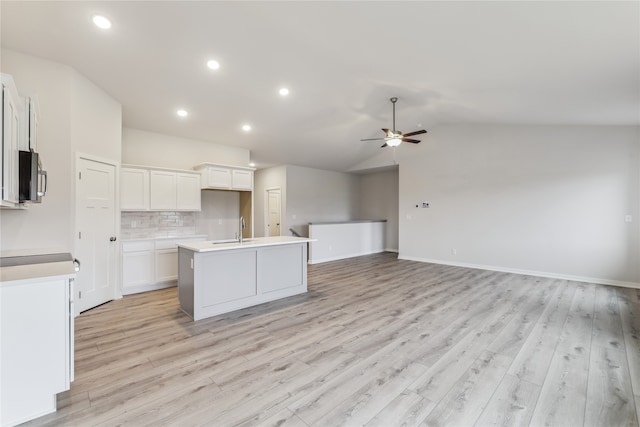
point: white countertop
(179, 237)
(35, 271)
(211, 246)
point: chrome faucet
(241, 227)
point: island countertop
(222, 245)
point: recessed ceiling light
(213, 64)
(284, 91)
(246, 128)
(101, 22)
(252, 164)
(182, 113)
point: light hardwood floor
(377, 342)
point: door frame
(117, 291)
(266, 209)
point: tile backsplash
(140, 225)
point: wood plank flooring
(376, 341)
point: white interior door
(273, 209)
(96, 227)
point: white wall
(153, 149)
(96, 125)
(378, 199)
(265, 179)
(74, 114)
(316, 195)
(544, 199)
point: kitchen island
(219, 277)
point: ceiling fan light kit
(394, 137)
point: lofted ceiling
(449, 62)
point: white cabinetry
(222, 177)
(137, 264)
(241, 180)
(188, 192)
(134, 189)
(36, 351)
(166, 257)
(151, 264)
(30, 141)
(163, 190)
(217, 177)
(145, 189)
(11, 133)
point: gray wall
(316, 195)
(550, 200)
(378, 199)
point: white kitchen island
(216, 278)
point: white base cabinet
(151, 264)
(36, 350)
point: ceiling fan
(394, 137)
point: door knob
(112, 239)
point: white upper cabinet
(222, 177)
(31, 124)
(11, 133)
(134, 189)
(143, 189)
(188, 191)
(241, 180)
(163, 190)
(217, 177)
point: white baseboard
(146, 288)
(339, 257)
(526, 272)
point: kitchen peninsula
(219, 277)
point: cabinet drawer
(137, 246)
(167, 244)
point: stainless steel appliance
(32, 184)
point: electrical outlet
(133, 224)
(454, 251)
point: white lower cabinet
(137, 264)
(151, 264)
(36, 350)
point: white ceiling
(448, 62)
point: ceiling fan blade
(418, 132)
(413, 141)
(373, 139)
(384, 145)
(388, 132)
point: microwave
(32, 183)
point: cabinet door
(137, 268)
(163, 189)
(218, 178)
(188, 192)
(10, 143)
(34, 352)
(134, 189)
(242, 180)
(166, 265)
